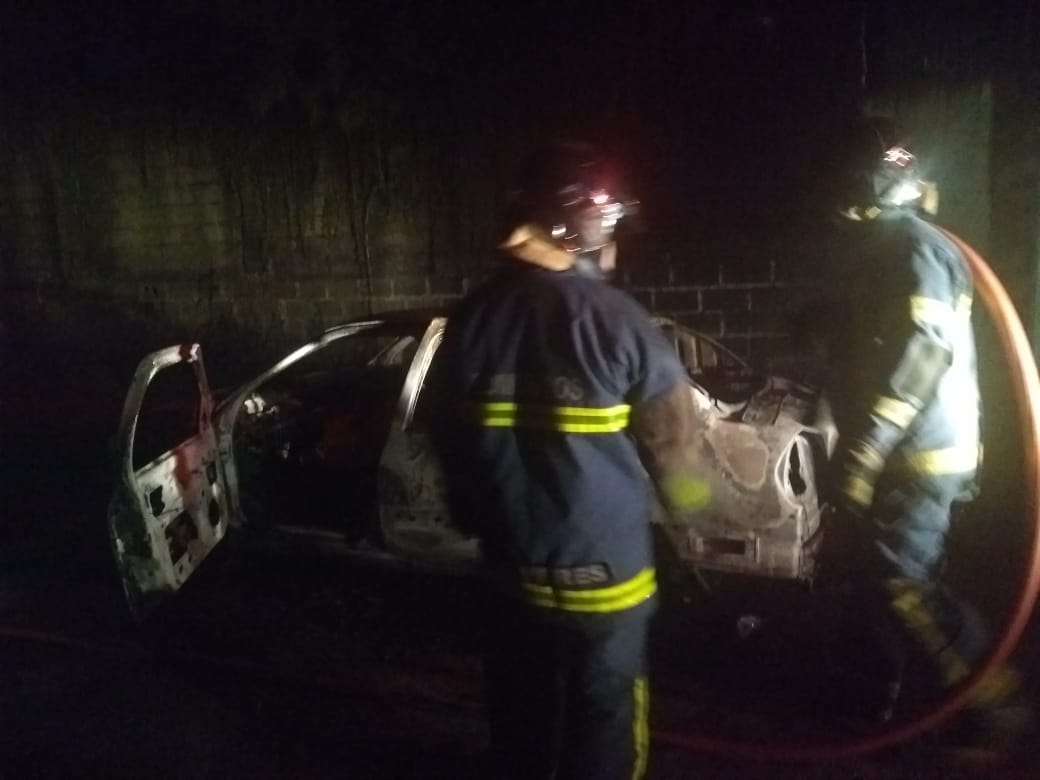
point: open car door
(170, 507)
(413, 502)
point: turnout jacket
(904, 385)
(563, 392)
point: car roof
(422, 315)
(418, 316)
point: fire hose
(1026, 389)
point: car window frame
(415, 379)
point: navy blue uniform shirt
(542, 368)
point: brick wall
(749, 308)
(163, 234)
(160, 232)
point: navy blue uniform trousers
(567, 692)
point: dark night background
(199, 162)
(244, 174)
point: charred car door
(170, 507)
(413, 508)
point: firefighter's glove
(685, 496)
(860, 470)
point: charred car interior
(308, 446)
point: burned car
(330, 446)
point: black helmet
(875, 169)
(565, 191)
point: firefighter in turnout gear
(902, 381)
(567, 397)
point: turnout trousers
(566, 693)
(899, 549)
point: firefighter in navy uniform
(905, 395)
(568, 397)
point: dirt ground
(276, 665)
(273, 666)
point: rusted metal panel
(167, 515)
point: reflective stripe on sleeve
(611, 599)
(950, 460)
(566, 419)
(964, 305)
(859, 490)
(932, 311)
(899, 413)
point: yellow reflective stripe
(951, 460)
(997, 688)
(863, 453)
(687, 494)
(910, 608)
(640, 726)
(611, 599)
(899, 413)
(964, 305)
(929, 311)
(932, 311)
(859, 490)
(567, 419)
